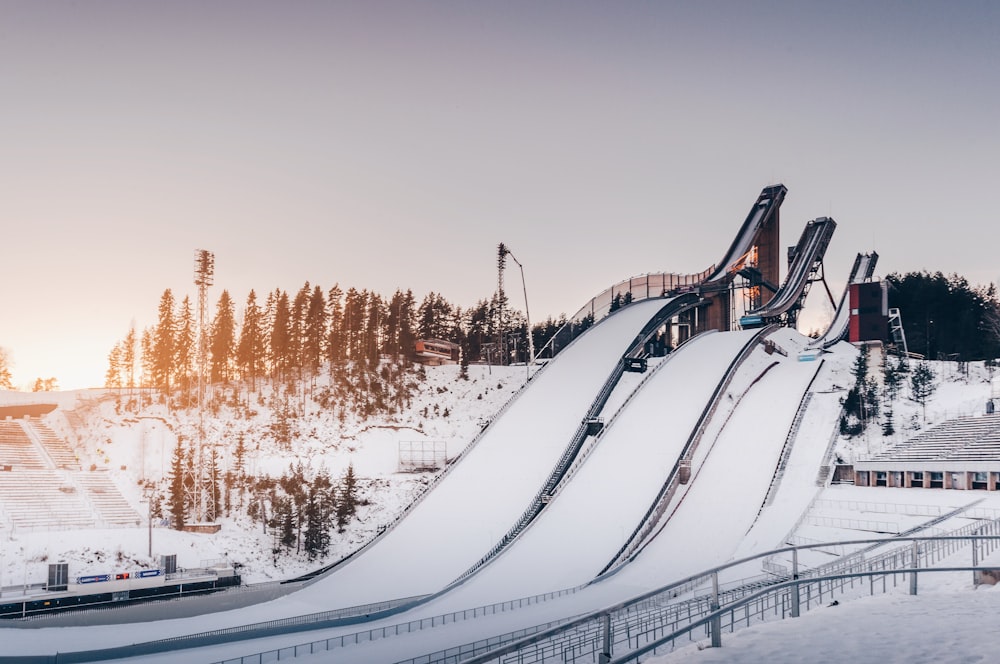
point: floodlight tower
(505, 251)
(204, 274)
(501, 264)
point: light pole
(149, 493)
(505, 250)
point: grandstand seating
(964, 439)
(43, 500)
(45, 487)
(17, 449)
(54, 445)
(107, 499)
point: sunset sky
(387, 145)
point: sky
(385, 145)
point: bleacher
(17, 449)
(107, 499)
(55, 446)
(964, 439)
(42, 486)
(43, 500)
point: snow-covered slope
(463, 517)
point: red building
(869, 312)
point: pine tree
(318, 513)
(352, 323)
(6, 383)
(922, 385)
(463, 372)
(861, 401)
(148, 356)
(335, 346)
(311, 537)
(894, 374)
(156, 505)
(280, 335)
(130, 351)
(347, 505)
(315, 331)
(297, 327)
(163, 344)
(113, 377)
(285, 518)
(888, 425)
(223, 339)
(185, 346)
(250, 352)
(177, 492)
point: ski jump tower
(755, 254)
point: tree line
(291, 336)
(944, 317)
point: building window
(937, 480)
(880, 478)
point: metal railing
(642, 287)
(657, 621)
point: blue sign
(146, 573)
(95, 578)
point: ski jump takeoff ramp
(808, 259)
(760, 230)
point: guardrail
(640, 627)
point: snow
(931, 627)
(719, 516)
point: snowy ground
(948, 621)
(132, 449)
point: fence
(657, 621)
